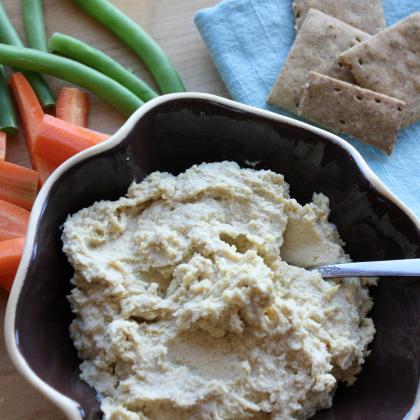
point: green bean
(33, 21)
(8, 121)
(73, 72)
(8, 35)
(79, 51)
(138, 40)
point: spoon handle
(371, 269)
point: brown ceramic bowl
(172, 133)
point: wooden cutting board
(170, 22)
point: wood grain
(170, 22)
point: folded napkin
(249, 41)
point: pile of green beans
(138, 40)
(73, 72)
(79, 51)
(79, 63)
(8, 35)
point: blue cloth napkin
(249, 41)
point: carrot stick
(43, 168)
(3, 136)
(10, 255)
(73, 106)
(31, 115)
(13, 221)
(58, 140)
(30, 110)
(18, 185)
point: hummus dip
(192, 300)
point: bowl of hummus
(166, 275)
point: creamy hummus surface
(191, 301)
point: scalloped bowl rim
(70, 407)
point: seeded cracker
(342, 107)
(389, 63)
(366, 15)
(317, 47)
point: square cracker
(389, 63)
(366, 15)
(317, 47)
(342, 107)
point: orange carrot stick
(13, 221)
(3, 136)
(10, 255)
(30, 110)
(31, 115)
(43, 168)
(73, 106)
(58, 140)
(18, 185)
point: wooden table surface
(170, 23)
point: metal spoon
(371, 269)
